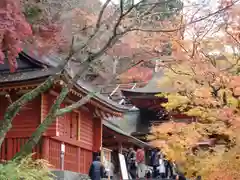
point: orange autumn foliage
(204, 78)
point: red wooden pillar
(120, 148)
(45, 148)
(9, 148)
(97, 136)
(78, 159)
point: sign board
(123, 166)
(63, 147)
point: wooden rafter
(27, 87)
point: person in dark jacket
(180, 176)
(155, 161)
(169, 168)
(199, 178)
(132, 165)
(97, 170)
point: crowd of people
(135, 161)
(159, 167)
(164, 168)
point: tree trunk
(51, 117)
(14, 108)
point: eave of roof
(151, 88)
(26, 76)
(85, 88)
(118, 130)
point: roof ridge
(33, 59)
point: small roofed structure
(117, 141)
(149, 105)
(116, 138)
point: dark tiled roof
(152, 87)
(34, 68)
(88, 88)
(25, 76)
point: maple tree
(13, 30)
(205, 82)
(149, 46)
(87, 46)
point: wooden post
(78, 125)
(10, 146)
(45, 148)
(78, 159)
(62, 154)
(97, 138)
(120, 148)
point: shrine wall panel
(26, 121)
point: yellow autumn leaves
(210, 99)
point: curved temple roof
(32, 68)
(151, 88)
(131, 138)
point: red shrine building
(80, 132)
(151, 112)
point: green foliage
(27, 169)
(32, 13)
(163, 10)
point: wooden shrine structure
(80, 132)
(117, 141)
(149, 105)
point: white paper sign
(123, 166)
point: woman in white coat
(162, 167)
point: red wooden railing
(54, 153)
(11, 146)
(76, 159)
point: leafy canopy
(205, 82)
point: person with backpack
(97, 170)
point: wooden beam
(3, 93)
(45, 148)
(23, 91)
(42, 107)
(17, 86)
(79, 126)
(109, 137)
(120, 148)
(67, 100)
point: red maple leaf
(13, 30)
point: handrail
(113, 92)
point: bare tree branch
(184, 26)
(98, 24)
(76, 105)
(85, 99)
